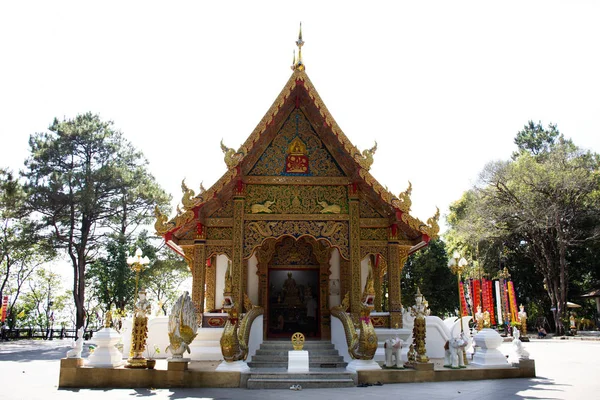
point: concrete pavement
(566, 369)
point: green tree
(428, 270)
(541, 206)
(44, 300)
(85, 180)
(22, 249)
(113, 280)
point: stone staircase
(327, 368)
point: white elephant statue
(393, 348)
(454, 356)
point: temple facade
(300, 220)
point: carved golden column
(237, 267)
(198, 274)
(195, 256)
(355, 289)
(323, 256)
(211, 282)
(264, 254)
(397, 258)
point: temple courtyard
(565, 369)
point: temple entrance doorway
(294, 287)
(293, 302)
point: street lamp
(137, 263)
(457, 265)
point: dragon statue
(365, 160)
(232, 157)
(361, 346)
(183, 326)
(234, 341)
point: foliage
(85, 179)
(113, 281)
(43, 303)
(428, 270)
(22, 249)
(533, 213)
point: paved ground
(566, 369)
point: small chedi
(420, 310)
(183, 326)
(361, 346)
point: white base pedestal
(487, 354)
(106, 354)
(489, 358)
(297, 361)
(239, 366)
(362, 365)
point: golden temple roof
(298, 92)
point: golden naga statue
(234, 341)
(432, 229)
(189, 196)
(183, 326)
(361, 346)
(403, 202)
(366, 159)
(232, 157)
(162, 224)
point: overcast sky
(443, 86)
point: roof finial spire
(298, 64)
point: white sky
(442, 86)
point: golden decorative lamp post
(139, 328)
(457, 265)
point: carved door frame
(322, 252)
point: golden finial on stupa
(298, 64)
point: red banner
(490, 294)
(476, 294)
(463, 301)
(512, 298)
(4, 307)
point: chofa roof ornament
(298, 65)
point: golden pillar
(397, 258)
(211, 281)
(355, 289)
(237, 265)
(198, 274)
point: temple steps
(313, 379)
(274, 354)
(327, 368)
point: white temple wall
(220, 279)
(334, 279)
(364, 273)
(252, 279)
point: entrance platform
(202, 374)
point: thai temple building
(299, 221)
